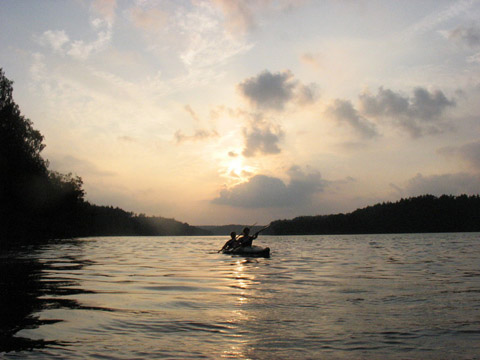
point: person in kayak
(245, 239)
(231, 243)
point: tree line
(37, 203)
(426, 213)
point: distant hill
(227, 229)
(420, 214)
(107, 221)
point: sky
(225, 111)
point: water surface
(413, 296)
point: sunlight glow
(237, 172)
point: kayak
(253, 251)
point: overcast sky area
(225, 111)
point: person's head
(246, 231)
(233, 234)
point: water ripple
(330, 297)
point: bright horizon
(221, 111)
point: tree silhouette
(425, 213)
(23, 169)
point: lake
(396, 296)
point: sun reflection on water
(243, 282)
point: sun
(235, 167)
(237, 171)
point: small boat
(250, 251)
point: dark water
(318, 297)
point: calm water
(411, 296)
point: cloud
(198, 135)
(469, 36)
(188, 36)
(449, 184)
(152, 20)
(239, 17)
(432, 20)
(192, 113)
(206, 43)
(60, 42)
(313, 60)
(263, 191)
(272, 91)
(428, 106)
(385, 103)
(54, 39)
(262, 138)
(244, 174)
(343, 112)
(105, 8)
(475, 58)
(267, 90)
(469, 152)
(423, 105)
(82, 50)
(419, 114)
(422, 113)
(306, 94)
(126, 138)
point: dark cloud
(469, 152)
(273, 91)
(419, 114)
(449, 184)
(269, 192)
(467, 35)
(428, 106)
(269, 91)
(199, 134)
(344, 112)
(385, 103)
(262, 138)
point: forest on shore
(37, 203)
(426, 213)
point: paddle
(259, 231)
